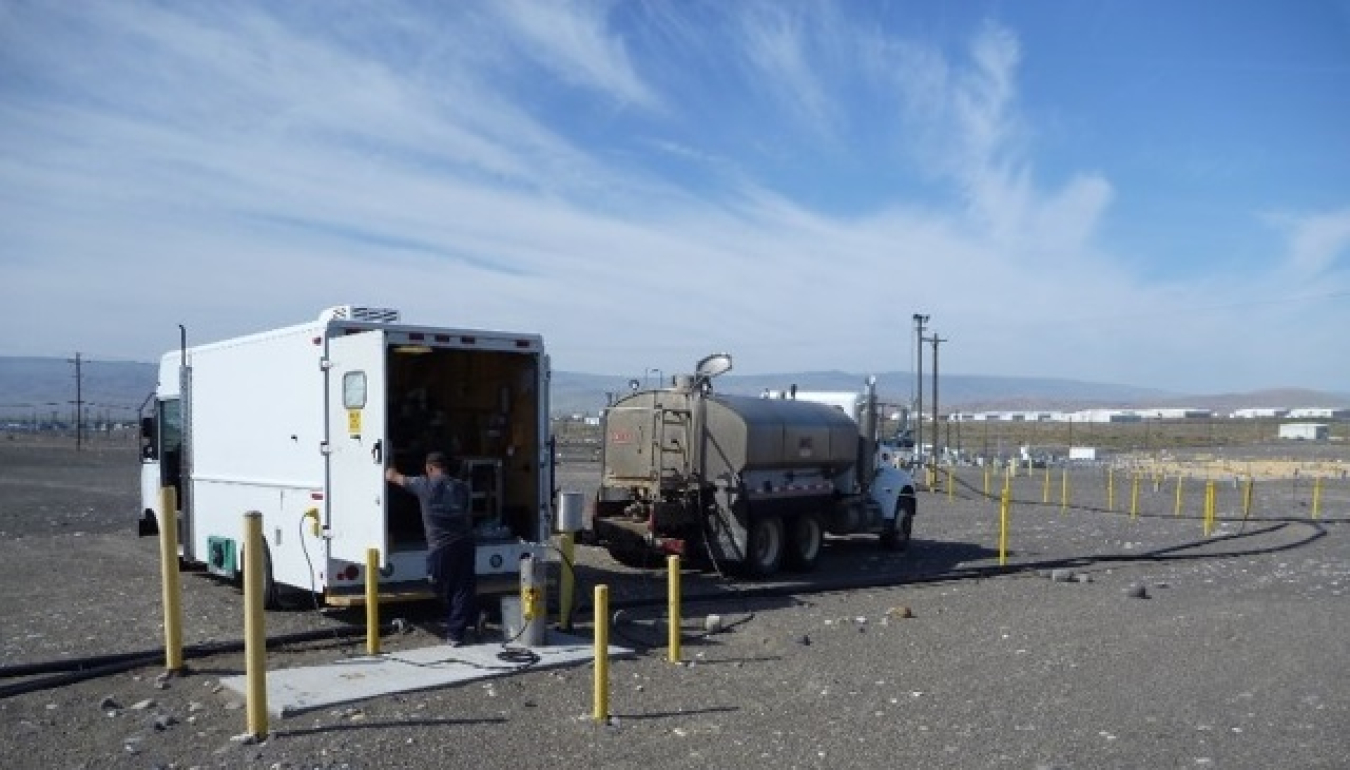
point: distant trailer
(1304, 431)
(1083, 453)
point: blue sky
(1151, 193)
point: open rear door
(357, 445)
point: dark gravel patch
(1226, 661)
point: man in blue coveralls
(449, 527)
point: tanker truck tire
(895, 537)
(764, 551)
(805, 536)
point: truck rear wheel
(895, 537)
(764, 551)
(805, 536)
(271, 591)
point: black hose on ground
(69, 671)
(79, 669)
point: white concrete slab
(292, 691)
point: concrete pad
(292, 691)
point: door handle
(377, 452)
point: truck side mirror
(149, 447)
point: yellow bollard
(1208, 516)
(673, 608)
(1247, 497)
(951, 485)
(372, 601)
(601, 602)
(1177, 510)
(255, 636)
(1045, 487)
(1134, 496)
(173, 595)
(1064, 490)
(1317, 497)
(1111, 489)
(1003, 507)
(986, 480)
(566, 581)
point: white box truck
(300, 422)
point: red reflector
(416, 336)
(317, 340)
(351, 572)
(316, 495)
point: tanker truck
(752, 483)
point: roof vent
(355, 313)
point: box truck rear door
(357, 443)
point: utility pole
(919, 321)
(935, 340)
(79, 402)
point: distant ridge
(119, 387)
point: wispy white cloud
(776, 39)
(1317, 242)
(576, 42)
(243, 168)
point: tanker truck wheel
(764, 552)
(805, 536)
(895, 537)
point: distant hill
(41, 386)
(44, 386)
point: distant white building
(1103, 415)
(1319, 413)
(1176, 413)
(1259, 412)
(1304, 431)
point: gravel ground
(1234, 657)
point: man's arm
(393, 475)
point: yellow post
(255, 637)
(1209, 508)
(951, 484)
(1134, 496)
(1111, 489)
(1177, 510)
(1003, 507)
(173, 595)
(601, 603)
(1247, 497)
(372, 601)
(566, 581)
(1317, 497)
(1064, 490)
(1045, 487)
(673, 608)
(986, 480)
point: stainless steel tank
(652, 438)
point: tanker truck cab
(299, 424)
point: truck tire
(895, 537)
(805, 537)
(765, 546)
(271, 592)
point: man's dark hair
(437, 460)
